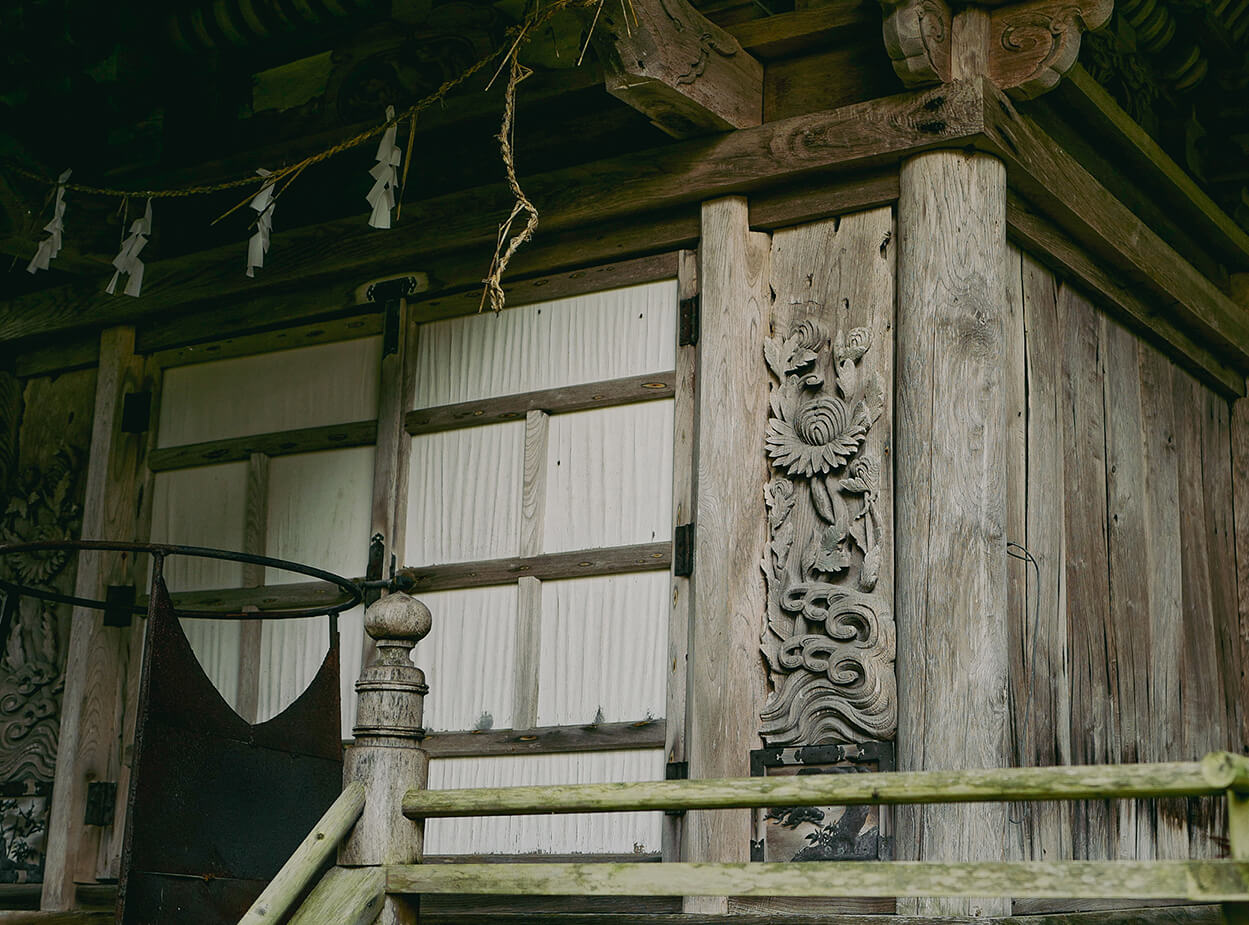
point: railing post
(387, 756)
(1238, 842)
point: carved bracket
(830, 641)
(1030, 45)
(672, 64)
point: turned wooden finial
(392, 690)
(387, 756)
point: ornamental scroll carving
(829, 642)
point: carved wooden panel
(830, 641)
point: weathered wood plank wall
(1127, 647)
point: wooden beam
(953, 662)
(617, 560)
(670, 63)
(93, 704)
(784, 35)
(726, 677)
(549, 401)
(855, 137)
(1041, 239)
(282, 443)
(546, 740)
(1070, 197)
(1201, 881)
(346, 896)
(251, 632)
(1099, 115)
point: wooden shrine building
(869, 397)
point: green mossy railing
(1207, 881)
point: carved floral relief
(829, 641)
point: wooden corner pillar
(1025, 48)
(387, 756)
(676, 67)
(97, 707)
(951, 592)
(726, 672)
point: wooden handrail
(308, 859)
(1217, 773)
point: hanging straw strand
(504, 249)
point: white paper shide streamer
(258, 244)
(50, 246)
(385, 174)
(127, 260)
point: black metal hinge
(676, 770)
(683, 550)
(687, 324)
(101, 802)
(136, 412)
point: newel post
(387, 756)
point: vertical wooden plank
(1018, 572)
(681, 612)
(255, 528)
(528, 652)
(1163, 584)
(1047, 741)
(953, 659)
(1216, 470)
(92, 713)
(1203, 719)
(1088, 569)
(1130, 646)
(726, 676)
(396, 381)
(1240, 480)
(529, 592)
(109, 862)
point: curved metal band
(354, 593)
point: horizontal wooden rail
(546, 740)
(1178, 779)
(551, 566)
(309, 858)
(605, 394)
(1198, 881)
(280, 443)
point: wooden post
(725, 664)
(953, 667)
(387, 756)
(1238, 842)
(94, 703)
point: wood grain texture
(726, 671)
(93, 702)
(281, 443)
(255, 527)
(680, 613)
(1075, 201)
(1093, 671)
(853, 137)
(1046, 242)
(1213, 775)
(528, 653)
(345, 895)
(643, 557)
(630, 915)
(953, 659)
(646, 733)
(1201, 881)
(676, 67)
(151, 339)
(834, 297)
(1047, 738)
(1240, 482)
(632, 389)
